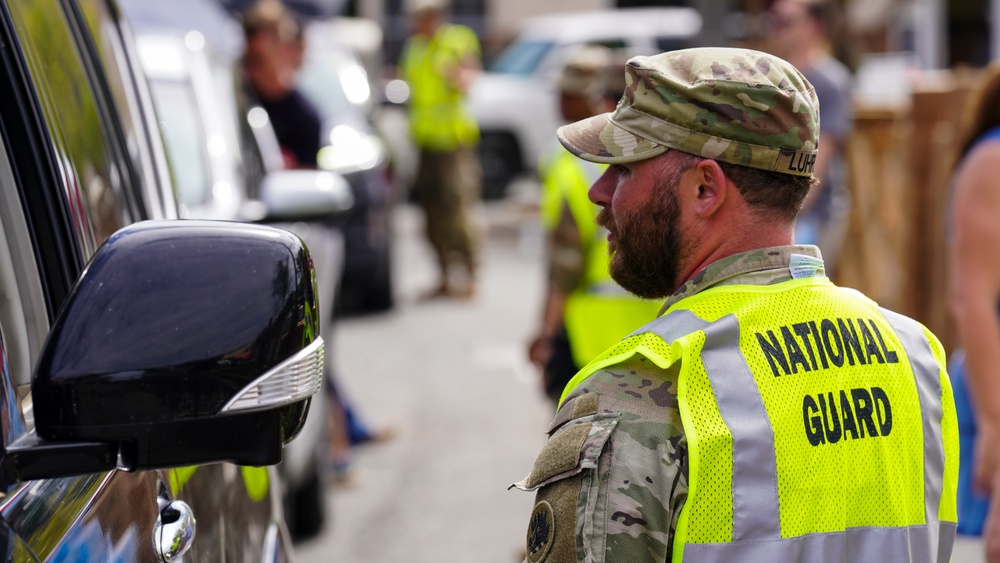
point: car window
(184, 136)
(320, 83)
(521, 58)
(665, 44)
(93, 181)
(613, 44)
(126, 90)
(24, 322)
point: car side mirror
(305, 195)
(182, 343)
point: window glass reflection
(93, 184)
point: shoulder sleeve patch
(541, 530)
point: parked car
(333, 78)
(225, 153)
(138, 350)
(515, 101)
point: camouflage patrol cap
(584, 71)
(414, 7)
(733, 105)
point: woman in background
(974, 279)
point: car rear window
(521, 58)
(665, 44)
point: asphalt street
(453, 378)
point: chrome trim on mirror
(294, 379)
(174, 531)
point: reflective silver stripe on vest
(855, 545)
(674, 325)
(928, 379)
(755, 472)
(756, 515)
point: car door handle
(174, 531)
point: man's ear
(707, 187)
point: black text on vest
(824, 344)
(846, 415)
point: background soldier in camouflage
(711, 154)
(579, 286)
(440, 61)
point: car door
(65, 191)
(80, 161)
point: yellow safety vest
(820, 427)
(438, 119)
(598, 296)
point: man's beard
(647, 247)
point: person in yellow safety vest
(440, 61)
(767, 415)
(580, 287)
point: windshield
(184, 138)
(521, 57)
(320, 83)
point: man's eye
(621, 169)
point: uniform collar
(762, 266)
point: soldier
(440, 62)
(580, 287)
(767, 414)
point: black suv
(136, 349)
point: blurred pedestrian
(272, 55)
(801, 35)
(580, 287)
(440, 61)
(274, 50)
(768, 415)
(974, 279)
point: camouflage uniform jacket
(613, 477)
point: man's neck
(761, 237)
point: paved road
(452, 376)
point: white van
(515, 101)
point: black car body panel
(80, 158)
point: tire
(500, 158)
(366, 289)
(305, 508)
(379, 295)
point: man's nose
(601, 191)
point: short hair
(774, 194)
(270, 16)
(825, 12)
(981, 111)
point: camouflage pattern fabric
(447, 188)
(738, 106)
(613, 477)
(567, 256)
